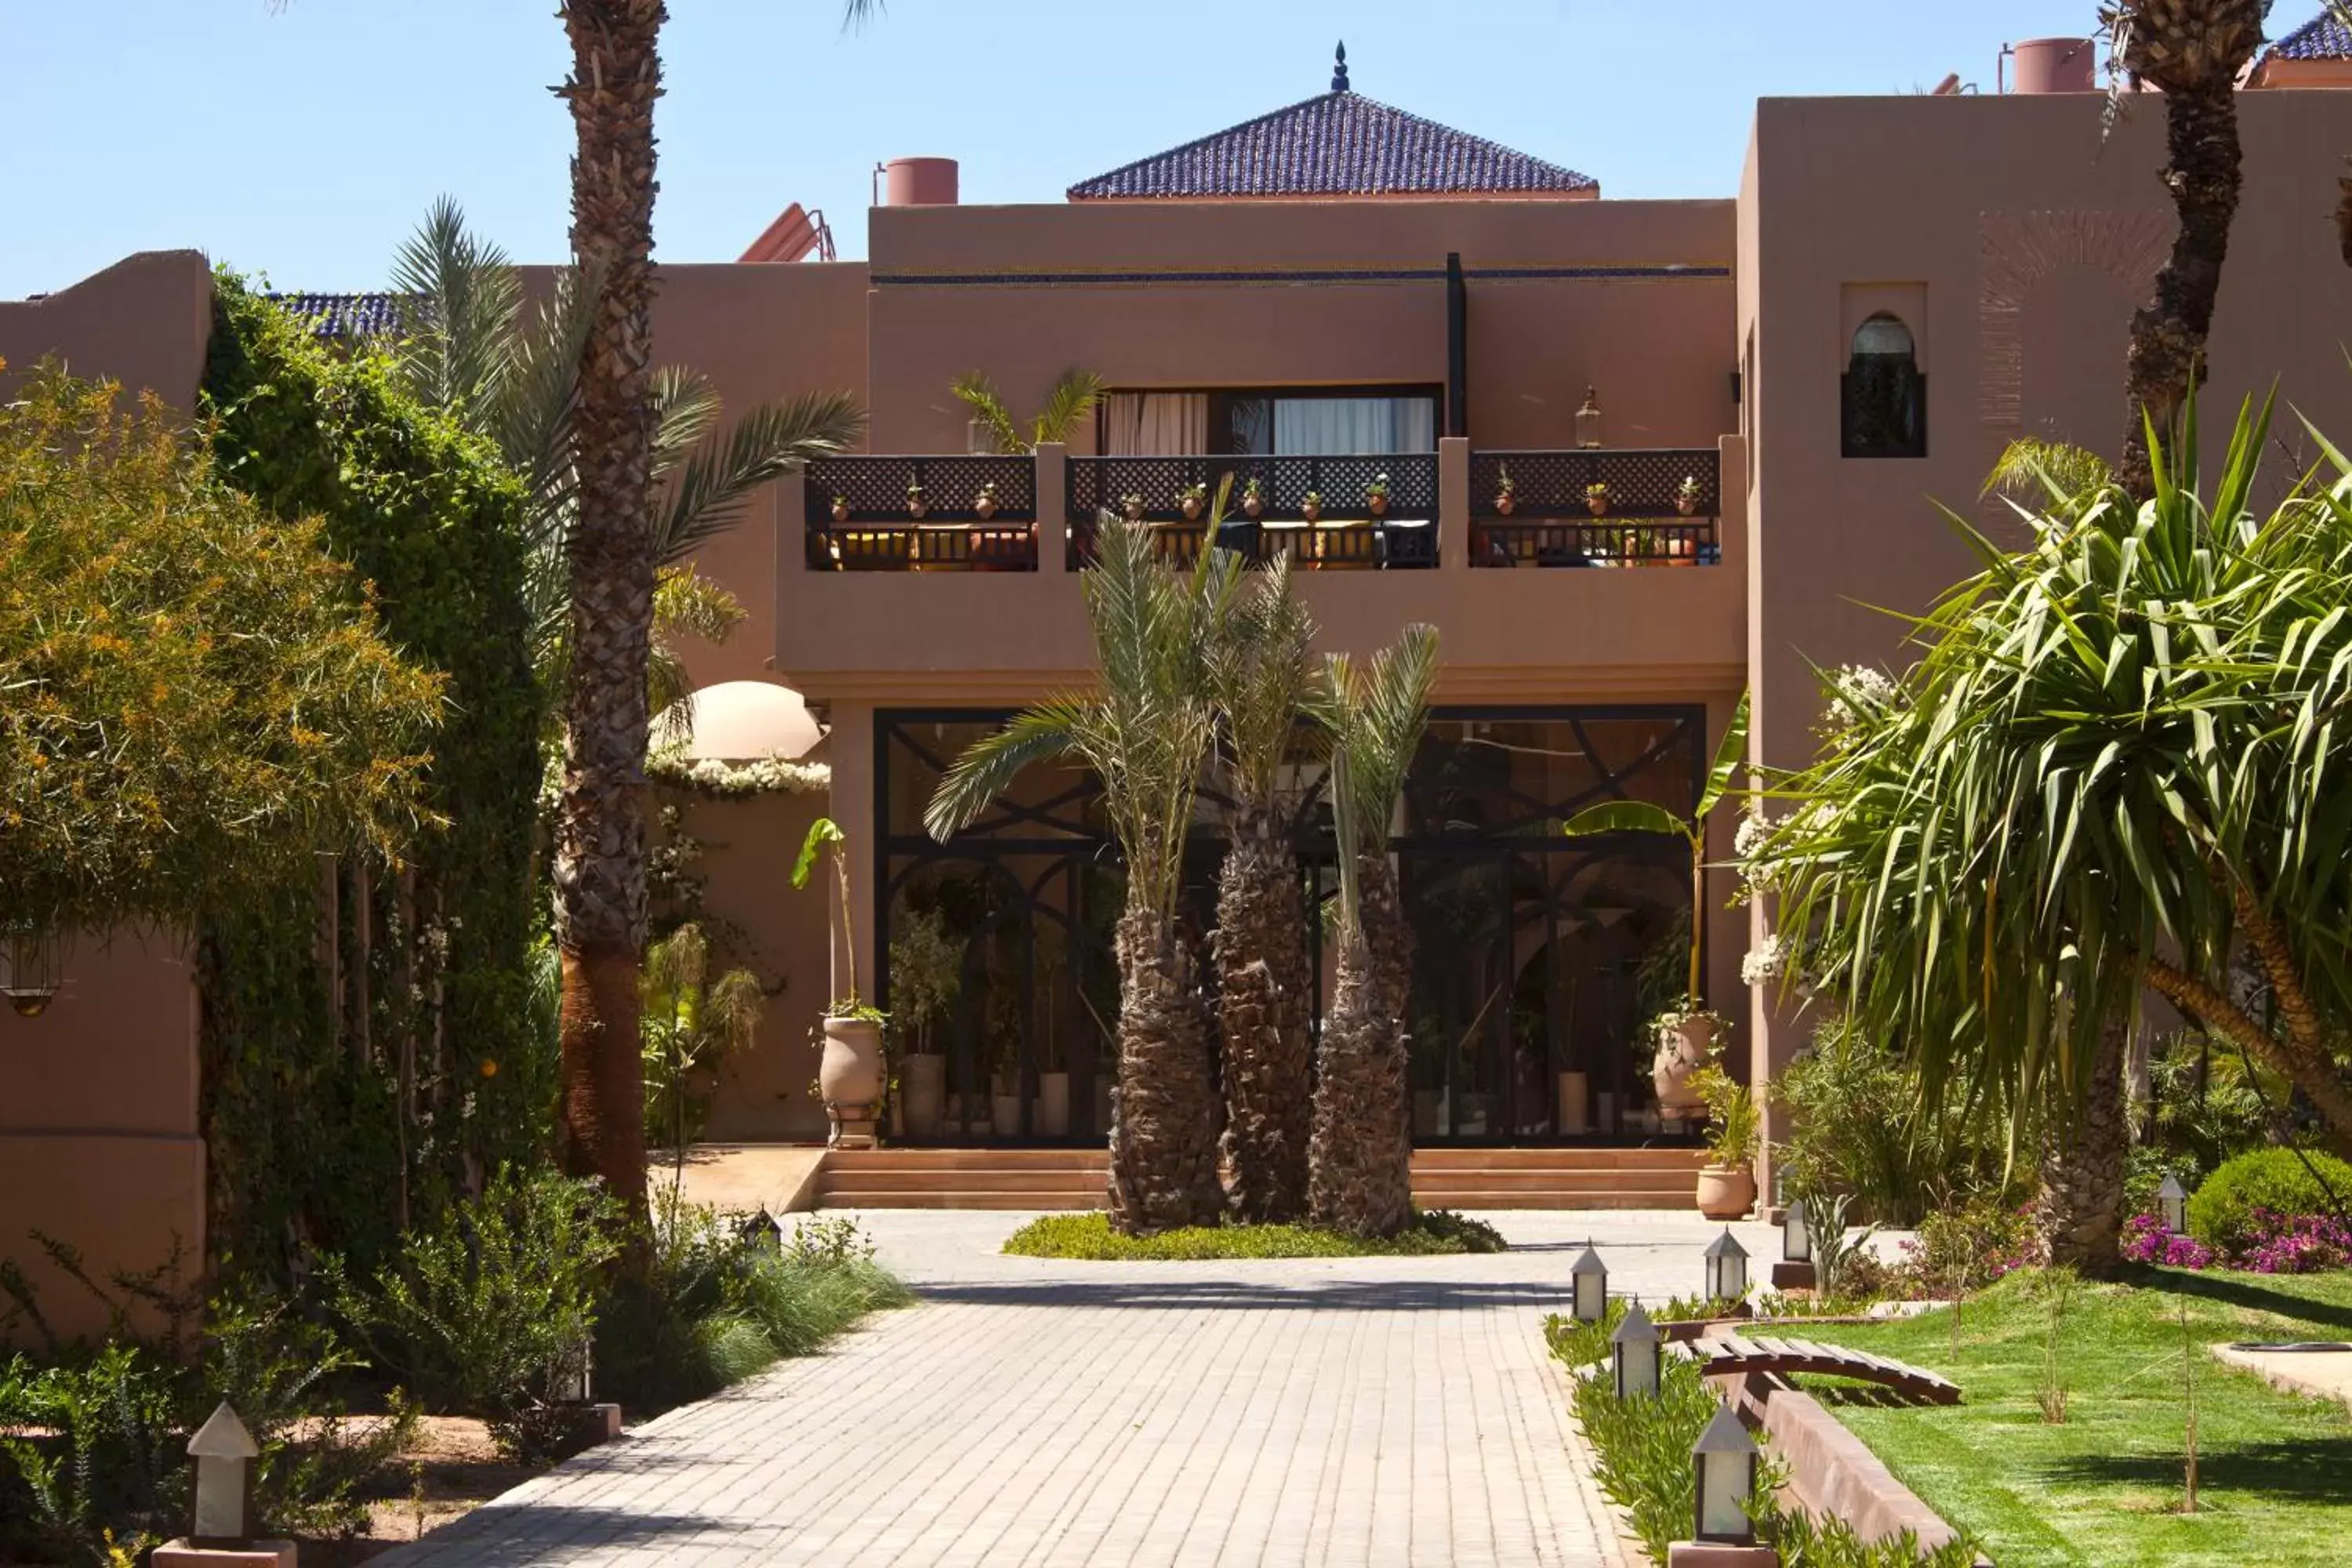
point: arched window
(1883, 398)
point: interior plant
(1687, 1034)
(1727, 1184)
(849, 1073)
(926, 976)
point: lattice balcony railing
(1284, 484)
(1362, 545)
(1642, 483)
(878, 489)
(1516, 541)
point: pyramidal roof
(1340, 143)
(2323, 38)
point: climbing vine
(373, 1042)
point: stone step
(1567, 1159)
(1048, 1160)
(863, 1198)
(1569, 1181)
(873, 1181)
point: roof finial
(1340, 70)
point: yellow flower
(489, 1068)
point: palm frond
(708, 493)
(1625, 816)
(977, 392)
(2032, 470)
(988, 768)
(531, 423)
(1074, 398)
(459, 295)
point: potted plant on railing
(1193, 500)
(985, 502)
(1310, 506)
(1596, 499)
(917, 505)
(1506, 499)
(1376, 496)
(1254, 498)
(1687, 1035)
(849, 1074)
(841, 509)
(1131, 508)
(1687, 495)
(1726, 1183)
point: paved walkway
(1359, 1411)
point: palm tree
(1359, 1158)
(1260, 677)
(2105, 773)
(2194, 50)
(1147, 731)
(626, 477)
(1074, 398)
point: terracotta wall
(2028, 243)
(759, 921)
(98, 1095)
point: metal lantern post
(2172, 1198)
(1796, 1235)
(1726, 1269)
(31, 967)
(1725, 1457)
(1634, 1354)
(1588, 420)
(1587, 1296)
(570, 1381)
(224, 1452)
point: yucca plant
(1261, 673)
(1146, 729)
(2116, 764)
(1359, 1155)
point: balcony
(922, 514)
(956, 608)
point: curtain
(1155, 424)
(1342, 426)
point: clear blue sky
(306, 144)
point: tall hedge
(371, 1042)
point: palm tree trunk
(1163, 1128)
(1360, 1154)
(2167, 334)
(2082, 1167)
(1261, 1006)
(600, 838)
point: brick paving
(1359, 1411)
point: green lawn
(2104, 1488)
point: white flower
(1764, 962)
(1857, 692)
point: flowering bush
(2296, 1244)
(725, 781)
(2147, 1241)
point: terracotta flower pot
(841, 512)
(1682, 1051)
(1726, 1192)
(1376, 505)
(1597, 505)
(849, 1073)
(1506, 503)
(986, 507)
(1686, 505)
(1311, 511)
(1253, 506)
(1132, 510)
(917, 507)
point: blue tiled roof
(2323, 38)
(345, 315)
(1338, 144)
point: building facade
(1338, 304)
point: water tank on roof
(919, 182)
(2055, 65)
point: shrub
(1971, 1244)
(2295, 1244)
(2221, 1210)
(2147, 1241)
(1734, 1129)
(477, 1316)
(1089, 1237)
(1859, 1127)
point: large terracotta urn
(849, 1076)
(1684, 1048)
(1726, 1192)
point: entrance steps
(1442, 1178)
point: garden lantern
(762, 1232)
(1634, 1354)
(2172, 1198)
(224, 1452)
(569, 1381)
(1588, 420)
(1588, 1293)
(1725, 1457)
(31, 964)
(1726, 1269)
(1796, 1237)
